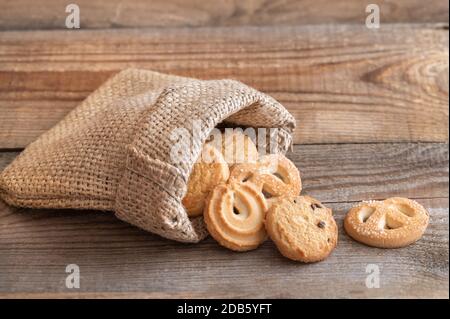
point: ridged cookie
(234, 216)
(302, 228)
(209, 171)
(392, 223)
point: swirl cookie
(209, 171)
(238, 148)
(274, 175)
(302, 228)
(392, 223)
(234, 215)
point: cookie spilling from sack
(248, 197)
(210, 170)
(393, 223)
(234, 216)
(245, 198)
(302, 228)
(235, 212)
(212, 167)
(274, 175)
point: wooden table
(372, 112)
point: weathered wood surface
(36, 246)
(362, 98)
(344, 84)
(25, 14)
(119, 260)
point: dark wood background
(372, 112)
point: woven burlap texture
(112, 152)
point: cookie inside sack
(213, 167)
(235, 187)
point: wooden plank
(341, 173)
(36, 246)
(6, 158)
(26, 14)
(354, 172)
(344, 84)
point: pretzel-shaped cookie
(234, 216)
(392, 223)
(274, 175)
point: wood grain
(118, 260)
(344, 84)
(26, 15)
(115, 257)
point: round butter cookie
(234, 216)
(302, 228)
(392, 223)
(209, 171)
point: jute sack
(112, 152)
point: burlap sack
(112, 152)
